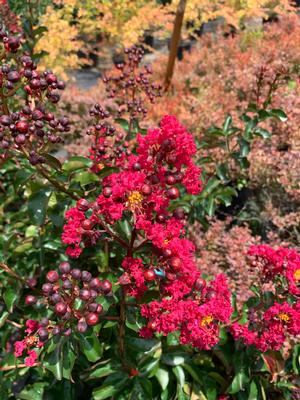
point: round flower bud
(85, 294)
(76, 273)
(87, 224)
(106, 286)
(64, 267)
(52, 276)
(107, 191)
(67, 284)
(151, 325)
(47, 288)
(86, 276)
(173, 193)
(82, 326)
(43, 334)
(60, 308)
(44, 322)
(30, 300)
(22, 126)
(56, 298)
(170, 180)
(175, 263)
(20, 139)
(92, 319)
(200, 284)
(149, 275)
(146, 190)
(82, 205)
(13, 76)
(95, 283)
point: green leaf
(253, 394)
(244, 147)
(112, 385)
(214, 131)
(33, 392)
(210, 186)
(85, 178)
(68, 360)
(123, 123)
(21, 177)
(263, 114)
(180, 375)
(174, 359)
(52, 161)
(262, 133)
(77, 162)
(3, 317)
(239, 382)
(227, 124)
(211, 206)
(37, 206)
(10, 297)
(145, 345)
(222, 172)
(279, 114)
(54, 361)
(90, 346)
(102, 371)
(162, 375)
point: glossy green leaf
(176, 358)
(111, 386)
(33, 392)
(123, 123)
(77, 162)
(37, 206)
(90, 346)
(279, 114)
(262, 133)
(180, 375)
(85, 178)
(239, 383)
(162, 375)
(102, 371)
(253, 393)
(10, 297)
(52, 161)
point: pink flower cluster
(28, 344)
(142, 191)
(281, 262)
(144, 187)
(268, 330)
(269, 327)
(197, 317)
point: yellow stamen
(284, 317)
(206, 320)
(135, 199)
(297, 274)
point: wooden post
(175, 42)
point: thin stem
(56, 183)
(13, 323)
(50, 178)
(113, 234)
(11, 272)
(11, 367)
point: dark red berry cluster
(31, 128)
(73, 295)
(130, 87)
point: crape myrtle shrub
(101, 296)
(220, 76)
